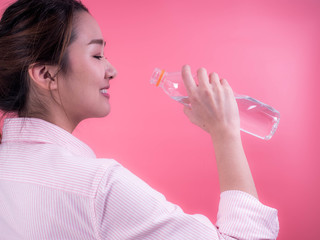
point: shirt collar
(38, 130)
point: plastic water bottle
(256, 118)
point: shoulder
(82, 175)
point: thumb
(188, 112)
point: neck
(58, 117)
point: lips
(104, 91)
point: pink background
(266, 49)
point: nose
(111, 72)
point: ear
(43, 76)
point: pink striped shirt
(52, 186)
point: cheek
(85, 78)
(92, 70)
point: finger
(214, 79)
(224, 82)
(203, 77)
(188, 79)
(226, 85)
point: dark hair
(32, 32)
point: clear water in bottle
(256, 118)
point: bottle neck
(161, 76)
(158, 77)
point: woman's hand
(214, 109)
(213, 105)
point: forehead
(86, 28)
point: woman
(53, 75)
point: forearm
(233, 168)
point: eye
(98, 57)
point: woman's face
(84, 88)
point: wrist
(223, 135)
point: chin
(98, 112)
(104, 113)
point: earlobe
(41, 76)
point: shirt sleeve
(128, 208)
(242, 216)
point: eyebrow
(97, 41)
